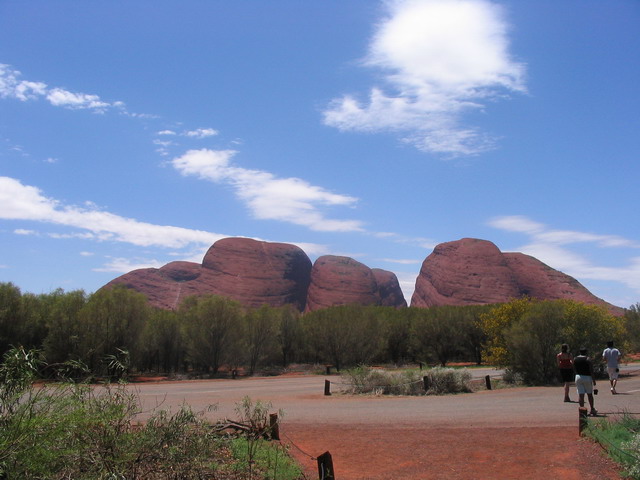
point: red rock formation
(251, 272)
(539, 280)
(389, 290)
(341, 281)
(472, 271)
(465, 272)
(259, 273)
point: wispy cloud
(201, 133)
(268, 197)
(12, 86)
(552, 247)
(439, 59)
(124, 265)
(24, 202)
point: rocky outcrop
(472, 271)
(464, 272)
(389, 290)
(341, 281)
(253, 273)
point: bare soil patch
(367, 452)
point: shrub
(448, 380)
(407, 382)
(87, 432)
(621, 440)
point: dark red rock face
(251, 272)
(341, 281)
(259, 273)
(465, 272)
(472, 271)
(389, 290)
(539, 280)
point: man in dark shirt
(584, 379)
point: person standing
(565, 364)
(585, 380)
(612, 356)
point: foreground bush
(621, 440)
(80, 432)
(440, 381)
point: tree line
(209, 334)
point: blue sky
(137, 133)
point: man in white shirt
(612, 356)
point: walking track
(513, 433)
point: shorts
(566, 374)
(613, 372)
(584, 384)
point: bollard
(327, 387)
(582, 419)
(328, 369)
(325, 467)
(234, 374)
(425, 380)
(420, 363)
(273, 425)
(487, 380)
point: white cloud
(201, 133)
(125, 265)
(166, 132)
(24, 202)
(553, 248)
(268, 197)
(22, 231)
(440, 59)
(11, 86)
(403, 261)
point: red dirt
(369, 452)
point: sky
(133, 134)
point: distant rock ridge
(255, 273)
(259, 273)
(471, 271)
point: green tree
(439, 332)
(111, 323)
(213, 330)
(289, 333)
(62, 342)
(162, 342)
(533, 342)
(10, 315)
(261, 328)
(495, 323)
(343, 335)
(632, 325)
(532, 338)
(397, 326)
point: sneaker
(593, 412)
(567, 399)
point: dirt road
(516, 433)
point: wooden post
(273, 424)
(425, 380)
(420, 363)
(582, 419)
(325, 467)
(328, 369)
(327, 387)
(234, 374)
(487, 380)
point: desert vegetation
(73, 430)
(116, 334)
